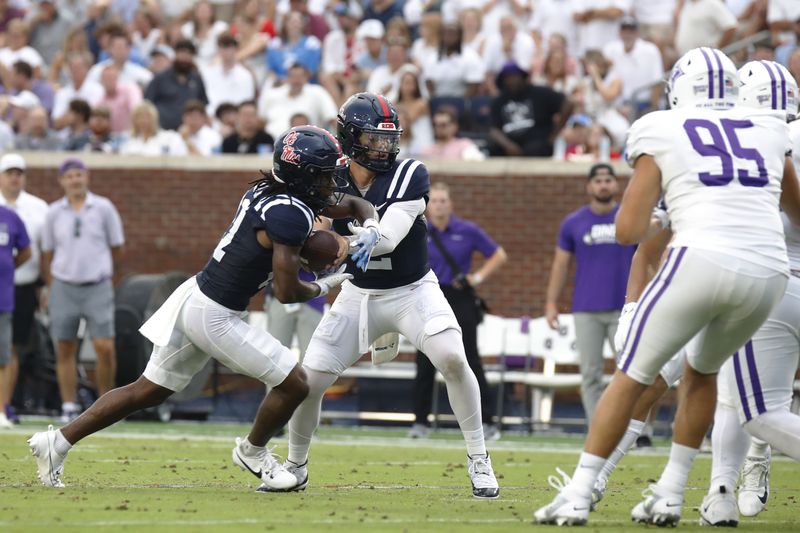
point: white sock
(585, 475)
(758, 448)
(729, 443)
(61, 444)
(306, 417)
(673, 479)
(249, 448)
(628, 439)
(446, 352)
(781, 429)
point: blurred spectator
(119, 97)
(455, 70)
(556, 71)
(147, 138)
(82, 239)
(383, 10)
(525, 118)
(555, 16)
(78, 124)
(6, 132)
(781, 16)
(277, 105)
(655, 19)
(7, 14)
(35, 132)
(794, 64)
(78, 87)
(171, 89)
(16, 48)
(227, 80)
(293, 46)
(32, 210)
(101, 137)
(703, 23)
(783, 51)
(762, 51)
(20, 105)
(249, 137)
(252, 43)
(638, 64)
(600, 95)
(119, 49)
(371, 33)
(385, 78)
(411, 101)
(339, 52)
(299, 119)
(199, 137)
(472, 36)
(509, 45)
(448, 145)
(104, 36)
(173, 9)
(203, 29)
(583, 141)
(146, 33)
(426, 46)
(414, 9)
(20, 78)
(397, 29)
(314, 23)
(48, 29)
(597, 21)
(225, 119)
(75, 12)
(161, 58)
(75, 42)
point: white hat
(25, 100)
(370, 28)
(9, 161)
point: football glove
(363, 241)
(332, 279)
(624, 325)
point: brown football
(320, 250)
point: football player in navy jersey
(203, 317)
(393, 290)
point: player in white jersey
(720, 171)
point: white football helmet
(703, 77)
(768, 85)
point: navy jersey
(407, 180)
(240, 266)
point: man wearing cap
(371, 33)
(601, 276)
(170, 90)
(32, 210)
(161, 58)
(82, 239)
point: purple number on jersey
(718, 148)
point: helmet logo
(387, 126)
(289, 154)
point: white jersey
(721, 174)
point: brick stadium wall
(175, 213)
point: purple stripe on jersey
(754, 381)
(737, 369)
(774, 85)
(710, 74)
(783, 88)
(721, 77)
(655, 299)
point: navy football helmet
(309, 162)
(369, 129)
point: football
(320, 250)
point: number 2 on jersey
(219, 251)
(719, 148)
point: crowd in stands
(470, 78)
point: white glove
(363, 241)
(329, 281)
(624, 325)
(662, 216)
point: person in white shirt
(146, 33)
(277, 106)
(703, 23)
(510, 45)
(203, 29)
(78, 87)
(227, 80)
(655, 20)
(119, 48)
(32, 210)
(340, 49)
(17, 48)
(386, 78)
(455, 70)
(597, 20)
(638, 64)
(554, 16)
(781, 16)
(200, 138)
(147, 138)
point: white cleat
(265, 466)
(5, 423)
(49, 462)
(418, 431)
(300, 473)
(598, 491)
(754, 486)
(660, 509)
(563, 510)
(719, 509)
(484, 484)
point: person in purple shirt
(601, 275)
(460, 239)
(13, 238)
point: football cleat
(484, 484)
(300, 474)
(661, 509)
(564, 510)
(754, 486)
(5, 423)
(265, 466)
(598, 491)
(418, 431)
(719, 509)
(48, 461)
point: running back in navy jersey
(406, 180)
(240, 266)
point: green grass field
(179, 477)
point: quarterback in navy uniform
(203, 317)
(393, 291)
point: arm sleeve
(116, 237)
(642, 139)
(286, 223)
(565, 240)
(410, 181)
(483, 243)
(396, 222)
(22, 239)
(48, 238)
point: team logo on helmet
(289, 154)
